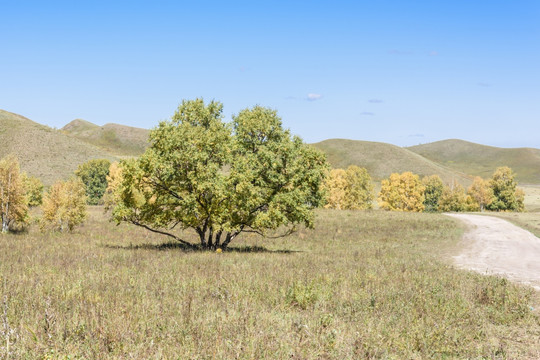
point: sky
(401, 72)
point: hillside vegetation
(44, 152)
(481, 160)
(381, 159)
(116, 139)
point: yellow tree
(453, 198)
(402, 192)
(480, 192)
(335, 185)
(13, 207)
(64, 205)
(114, 180)
(358, 189)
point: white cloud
(313, 97)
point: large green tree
(432, 193)
(93, 174)
(220, 179)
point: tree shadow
(172, 245)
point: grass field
(361, 285)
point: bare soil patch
(496, 247)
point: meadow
(361, 285)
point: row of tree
(63, 205)
(352, 189)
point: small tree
(402, 192)
(33, 189)
(433, 190)
(221, 179)
(114, 180)
(349, 189)
(481, 193)
(94, 174)
(13, 205)
(453, 198)
(506, 195)
(334, 186)
(64, 205)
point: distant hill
(116, 139)
(44, 152)
(482, 160)
(381, 159)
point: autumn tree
(334, 186)
(114, 180)
(33, 188)
(349, 189)
(402, 192)
(220, 179)
(506, 195)
(94, 174)
(13, 205)
(453, 198)
(433, 189)
(481, 192)
(64, 205)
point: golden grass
(362, 285)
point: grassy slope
(43, 152)
(482, 160)
(362, 285)
(382, 159)
(117, 139)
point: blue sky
(403, 72)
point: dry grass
(382, 159)
(116, 139)
(362, 285)
(44, 152)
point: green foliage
(506, 195)
(349, 189)
(33, 189)
(402, 192)
(432, 193)
(221, 179)
(13, 204)
(94, 174)
(453, 198)
(64, 205)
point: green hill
(116, 139)
(381, 159)
(481, 160)
(44, 152)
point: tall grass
(361, 285)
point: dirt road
(495, 246)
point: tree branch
(134, 222)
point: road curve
(495, 246)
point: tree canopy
(506, 195)
(64, 205)
(93, 174)
(349, 189)
(402, 192)
(220, 179)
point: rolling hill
(44, 152)
(381, 159)
(116, 139)
(481, 160)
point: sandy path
(495, 246)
